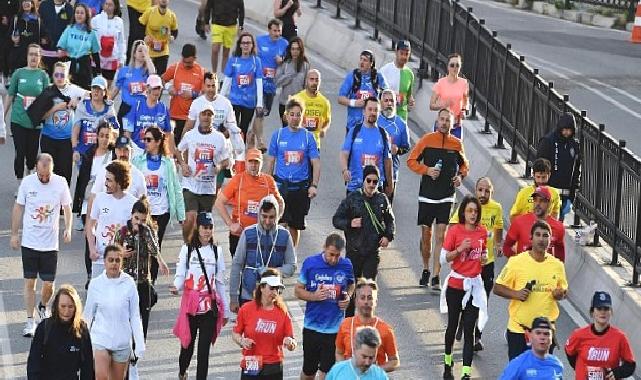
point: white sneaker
(29, 328)
(77, 224)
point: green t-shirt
(405, 88)
(26, 84)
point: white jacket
(107, 29)
(113, 314)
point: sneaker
(425, 279)
(447, 372)
(182, 377)
(436, 284)
(465, 377)
(42, 311)
(478, 346)
(29, 328)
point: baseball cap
(154, 81)
(541, 323)
(204, 219)
(403, 45)
(543, 192)
(601, 299)
(207, 107)
(273, 281)
(123, 142)
(253, 154)
(99, 81)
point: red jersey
(468, 263)
(519, 233)
(267, 328)
(594, 353)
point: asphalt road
(411, 310)
(597, 67)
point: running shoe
(447, 372)
(436, 284)
(29, 328)
(182, 377)
(465, 377)
(425, 279)
(478, 346)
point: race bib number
(269, 73)
(399, 98)
(595, 373)
(244, 79)
(311, 123)
(293, 157)
(157, 45)
(369, 159)
(186, 88)
(136, 88)
(252, 208)
(27, 101)
(90, 138)
(363, 94)
(332, 290)
(252, 365)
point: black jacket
(364, 240)
(52, 23)
(225, 12)
(43, 103)
(62, 356)
(564, 155)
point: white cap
(273, 281)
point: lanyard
(378, 226)
(351, 333)
(260, 250)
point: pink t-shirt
(452, 93)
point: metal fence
(520, 106)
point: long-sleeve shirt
(291, 81)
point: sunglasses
(59, 75)
(454, 64)
(149, 139)
(369, 180)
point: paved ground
(413, 311)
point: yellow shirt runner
(318, 113)
(524, 203)
(159, 27)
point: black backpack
(357, 78)
(357, 129)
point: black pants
(48, 63)
(454, 297)
(122, 112)
(5, 45)
(364, 265)
(281, 114)
(233, 243)
(81, 71)
(206, 323)
(162, 221)
(25, 142)
(244, 117)
(178, 130)
(62, 154)
(87, 257)
(144, 304)
(289, 31)
(160, 63)
(136, 29)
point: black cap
(123, 142)
(541, 323)
(403, 45)
(204, 219)
(601, 299)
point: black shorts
(198, 202)
(43, 263)
(428, 212)
(319, 351)
(296, 208)
(108, 74)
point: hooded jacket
(564, 155)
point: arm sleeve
(122, 45)
(545, 150)
(625, 370)
(346, 86)
(34, 362)
(506, 277)
(449, 244)
(289, 266)
(90, 306)
(414, 158)
(181, 268)
(87, 366)
(236, 267)
(516, 207)
(511, 371)
(570, 350)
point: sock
(467, 370)
(448, 359)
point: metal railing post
(424, 66)
(499, 140)
(598, 198)
(438, 43)
(636, 260)
(514, 155)
(577, 221)
(338, 9)
(412, 19)
(357, 13)
(617, 207)
(476, 69)
(378, 10)
(319, 5)
(488, 93)
(530, 130)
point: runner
(367, 144)
(366, 300)
(318, 110)
(285, 10)
(523, 204)
(519, 231)
(24, 31)
(367, 341)
(291, 74)
(452, 92)
(534, 281)
(360, 84)
(400, 78)
(161, 28)
(260, 246)
(226, 18)
(292, 152)
(187, 78)
(600, 350)
(244, 193)
(110, 31)
(434, 154)
(204, 154)
(367, 220)
(80, 43)
(397, 131)
(37, 208)
(135, 9)
(263, 329)
(54, 18)
(326, 284)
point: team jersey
(528, 366)
(293, 152)
(243, 72)
(468, 263)
(368, 148)
(59, 124)
(492, 220)
(398, 134)
(25, 85)
(87, 120)
(347, 330)
(318, 113)
(347, 370)
(204, 152)
(366, 90)
(267, 50)
(77, 42)
(156, 184)
(325, 316)
(137, 186)
(519, 233)
(524, 202)
(185, 81)
(159, 27)
(244, 192)
(142, 116)
(402, 82)
(223, 112)
(139, 5)
(131, 81)
(597, 351)
(548, 274)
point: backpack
(357, 78)
(357, 128)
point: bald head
(312, 84)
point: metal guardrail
(521, 107)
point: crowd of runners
(122, 175)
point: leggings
(162, 221)
(160, 63)
(488, 283)
(206, 323)
(25, 141)
(144, 305)
(244, 117)
(364, 266)
(88, 261)
(62, 154)
(233, 243)
(122, 112)
(178, 130)
(454, 297)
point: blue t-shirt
(77, 42)
(94, 5)
(59, 124)
(293, 152)
(141, 116)
(355, 114)
(131, 83)
(346, 370)
(267, 50)
(368, 149)
(243, 72)
(87, 119)
(396, 128)
(325, 316)
(528, 366)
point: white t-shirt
(42, 202)
(223, 111)
(392, 75)
(111, 214)
(157, 189)
(97, 165)
(205, 151)
(137, 187)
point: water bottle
(591, 230)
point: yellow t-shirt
(549, 275)
(524, 202)
(139, 5)
(318, 113)
(491, 219)
(159, 27)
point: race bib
(244, 79)
(252, 365)
(332, 290)
(90, 138)
(363, 94)
(269, 73)
(136, 88)
(186, 88)
(595, 373)
(27, 101)
(157, 45)
(252, 208)
(311, 124)
(152, 181)
(293, 157)
(369, 159)
(399, 99)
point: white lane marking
(5, 343)
(574, 314)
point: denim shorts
(119, 356)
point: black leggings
(244, 117)
(233, 243)
(62, 154)
(88, 261)
(364, 266)
(25, 142)
(160, 63)
(81, 71)
(206, 323)
(122, 112)
(144, 305)
(162, 221)
(178, 130)
(454, 297)
(488, 283)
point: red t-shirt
(468, 263)
(595, 352)
(519, 233)
(267, 328)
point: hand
(67, 236)
(15, 39)
(185, 169)
(207, 28)
(321, 133)
(147, 40)
(15, 242)
(498, 251)
(233, 306)
(62, 53)
(456, 180)
(164, 269)
(357, 223)
(522, 294)
(320, 294)
(93, 255)
(559, 294)
(289, 343)
(389, 189)
(359, 103)
(342, 304)
(394, 148)
(383, 243)
(4, 20)
(411, 102)
(76, 156)
(246, 343)
(347, 175)
(73, 103)
(311, 192)
(187, 95)
(235, 228)
(171, 91)
(43, 41)
(279, 59)
(433, 172)
(225, 320)
(465, 245)
(173, 290)
(289, 4)
(129, 252)
(610, 375)
(259, 110)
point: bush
(563, 4)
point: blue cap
(99, 81)
(601, 299)
(403, 45)
(123, 142)
(204, 219)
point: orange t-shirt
(185, 80)
(244, 192)
(452, 94)
(346, 332)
